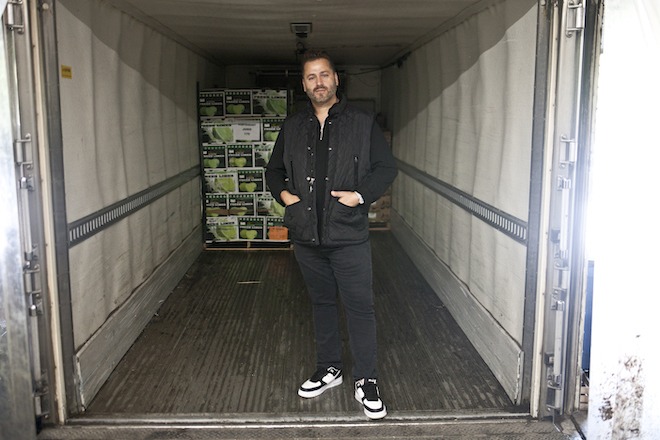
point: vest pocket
(347, 224)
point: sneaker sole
(373, 415)
(314, 393)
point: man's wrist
(360, 198)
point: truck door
(569, 89)
(23, 316)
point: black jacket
(359, 159)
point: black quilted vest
(349, 138)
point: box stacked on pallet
(238, 129)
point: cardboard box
(268, 206)
(240, 156)
(251, 228)
(221, 229)
(382, 216)
(214, 156)
(238, 103)
(241, 205)
(211, 103)
(229, 130)
(251, 180)
(379, 211)
(262, 153)
(270, 128)
(384, 202)
(220, 182)
(275, 229)
(269, 102)
(216, 205)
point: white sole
(373, 415)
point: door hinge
(40, 390)
(13, 23)
(26, 166)
(568, 152)
(574, 12)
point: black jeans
(346, 270)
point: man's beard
(330, 92)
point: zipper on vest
(356, 162)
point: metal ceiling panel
(236, 32)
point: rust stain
(625, 406)
(605, 409)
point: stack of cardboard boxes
(238, 129)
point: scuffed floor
(235, 340)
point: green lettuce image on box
(268, 206)
(251, 180)
(211, 103)
(221, 229)
(222, 182)
(269, 102)
(241, 204)
(271, 128)
(228, 130)
(251, 228)
(238, 102)
(262, 153)
(240, 156)
(216, 205)
(214, 156)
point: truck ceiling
(259, 32)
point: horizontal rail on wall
(506, 223)
(82, 229)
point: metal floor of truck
(234, 340)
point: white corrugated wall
(460, 108)
(129, 122)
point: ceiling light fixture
(302, 30)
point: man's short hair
(313, 55)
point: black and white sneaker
(320, 381)
(366, 392)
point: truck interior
(481, 271)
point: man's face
(320, 81)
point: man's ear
(336, 78)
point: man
(329, 163)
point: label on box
(241, 204)
(216, 205)
(251, 180)
(214, 156)
(275, 229)
(228, 130)
(211, 103)
(269, 102)
(220, 181)
(271, 128)
(268, 206)
(238, 102)
(240, 156)
(262, 153)
(221, 229)
(251, 228)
